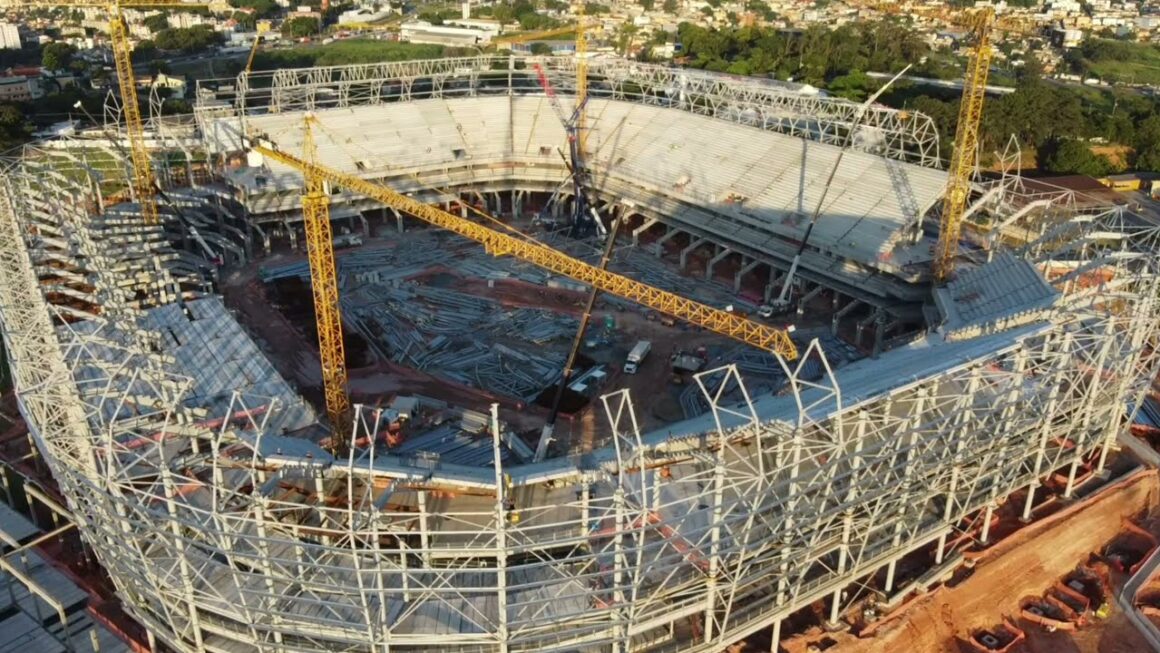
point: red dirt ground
(1025, 563)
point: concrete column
(801, 307)
(774, 285)
(862, 327)
(745, 269)
(775, 637)
(398, 218)
(462, 210)
(889, 585)
(688, 250)
(1027, 505)
(987, 523)
(649, 222)
(841, 313)
(366, 225)
(836, 301)
(879, 331)
(724, 251)
(660, 242)
(293, 235)
(498, 204)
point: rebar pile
(454, 335)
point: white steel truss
(222, 534)
(901, 135)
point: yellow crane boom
(324, 286)
(966, 143)
(500, 244)
(144, 180)
(262, 29)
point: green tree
(669, 6)
(855, 85)
(541, 49)
(157, 22)
(245, 20)
(648, 4)
(145, 51)
(1148, 144)
(56, 56)
(14, 129)
(432, 17)
(192, 39)
(1072, 157)
(596, 9)
(300, 27)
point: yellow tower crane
(501, 244)
(324, 285)
(966, 143)
(262, 28)
(144, 181)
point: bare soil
(1026, 563)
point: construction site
(511, 353)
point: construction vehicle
(636, 357)
(570, 361)
(683, 362)
(584, 220)
(783, 302)
(144, 181)
(500, 244)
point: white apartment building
(9, 36)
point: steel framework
(900, 135)
(222, 534)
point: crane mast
(143, 178)
(501, 244)
(966, 143)
(324, 287)
(144, 182)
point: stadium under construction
(203, 475)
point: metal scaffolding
(223, 533)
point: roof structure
(1004, 292)
(761, 185)
(210, 349)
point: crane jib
(719, 321)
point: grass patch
(350, 51)
(1129, 72)
(1118, 61)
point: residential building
(20, 89)
(9, 36)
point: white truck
(636, 356)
